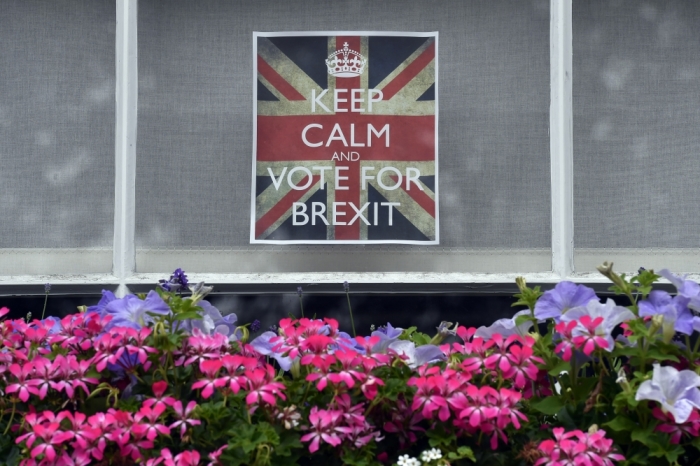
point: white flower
(405, 460)
(430, 455)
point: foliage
(165, 378)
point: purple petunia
(611, 314)
(130, 311)
(506, 327)
(677, 316)
(564, 296)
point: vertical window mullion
(561, 138)
(125, 142)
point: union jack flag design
(345, 147)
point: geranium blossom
(607, 316)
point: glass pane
(636, 71)
(57, 83)
(195, 117)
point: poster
(345, 138)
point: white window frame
(123, 254)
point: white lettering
(371, 129)
(356, 100)
(306, 141)
(317, 100)
(391, 211)
(370, 99)
(276, 182)
(414, 178)
(337, 213)
(318, 213)
(340, 136)
(322, 171)
(358, 213)
(338, 178)
(337, 99)
(381, 183)
(294, 186)
(300, 212)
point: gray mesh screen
(57, 80)
(636, 75)
(195, 115)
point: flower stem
(12, 418)
(352, 321)
(301, 305)
(43, 311)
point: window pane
(636, 75)
(195, 119)
(57, 125)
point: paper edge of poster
(257, 34)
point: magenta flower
(610, 316)
(587, 338)
(184, 416)
(262, 388)
(323, 428)
(25, 385)
(147, 422)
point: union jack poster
(345, 138)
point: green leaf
(462, 453)
(559, 368)
(622, 423)
(550, 405)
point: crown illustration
(345, 63)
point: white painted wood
(336, 259)
(561, 138)
(678, 261)
(124, 258)
(54, 261)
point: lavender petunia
(130, 311)
(676, 391)
(564, 296)
(506, 327)
(612, 315)
(387, 335)
(263, 346)
(417, 356)
(677, 316)
(107, 297)
(687, 289)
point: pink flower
(51, 437)
(151, 428)
(578, 448)
(184, 416)
(214, 456)
(25, 385)
(323, 426)
(588, 337)
(262, 388)
(690, 428)
(210, 369)
(159, 389)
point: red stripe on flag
(274, 214)
(412, 138)
(348, 232)
(348, 195)
(417, 195)
(410, 72)
(274, 78)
